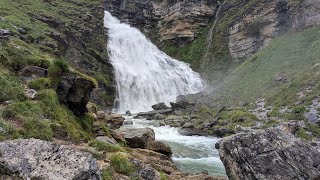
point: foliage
(120, 163)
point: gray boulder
(37, 159)
(106, 139)
(268, 154)
(5, 34)
(159, 147)
(33, 72)
(160, 106)
(136, 137)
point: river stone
(160, 106)
(269, 154)
(136, 137)
(159, 147)
(37, 159)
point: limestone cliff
(161, 20)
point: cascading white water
(144, 74)
(191, 154)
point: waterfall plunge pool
(191, 154)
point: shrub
(120, 163)
(39, 84)
(102, 146)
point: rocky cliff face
(268, 154)
(266, 20)
(174, 21)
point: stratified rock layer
(268, 154)
(170, 20)
(37, 159)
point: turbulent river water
(146, 76)
(191, 154)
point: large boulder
(159, 147)
(74, 91)
(37, 159)
(136, 137)
(160, 106)
(33, 72)
(268, 154)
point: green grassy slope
(296, 56)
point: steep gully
(144, 76)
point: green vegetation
(106, 174)
(41, 118)
(120, 163)
(295, 56)
(11, 88)
(102, 146)
(39, 84)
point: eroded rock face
(267, 20)
(175, 21)
(74, 91)
(268, 154)
(37, 159)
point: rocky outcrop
(136, 137)
(267, 20)
(74, 91)
(269, 154)
(36, 159)
(33, 72)
(175, 21)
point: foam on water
(191, 153)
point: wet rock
(159, 116)
(192, 132)
(159, 147)
(37, 159)
(33, 72)
(127, 122)
(269, 154)
(31, 93)
(222, 132)
(151, 114)
(128, 113)
(106, 139)
(74, 91)
(160, 106)
(136, 137)
(182, 105)
(188, 125)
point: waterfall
(145, 75)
